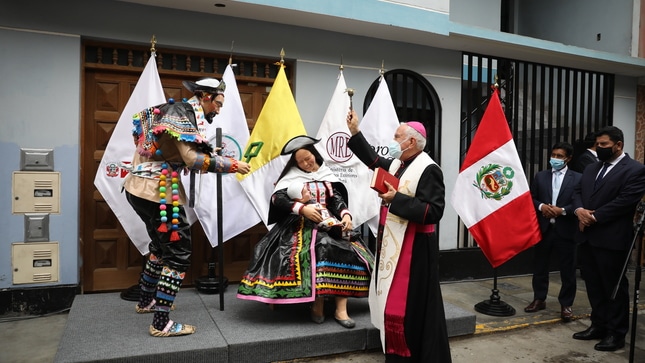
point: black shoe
(590, 334)
(535, 305)
(610, 343)
(566, 314)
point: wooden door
(110, 260)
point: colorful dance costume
(296, 261)
(170, 139)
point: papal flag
(114, 166)
(278, 122)
(240, 214)
(378, 126)
(492, 195)
(363, 202)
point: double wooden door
(110, 261)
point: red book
(380, 176)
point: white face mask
(394, 148)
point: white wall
(625, 111)
(481, 13)
(40, 88)
(578, 22)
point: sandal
(151, 308)
(172, 329)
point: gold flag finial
(382, 70)
(341, 63)
(153, 43)
(281, 62)
(496, 84)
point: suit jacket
(583, 160)
(542, 192)
(614, 202)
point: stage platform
(105, 328)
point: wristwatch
(564, 212)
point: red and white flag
(492, 195)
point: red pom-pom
(174, 236)
(163, 228)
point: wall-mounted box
(36, 262)
(36, 227)
(35, 192)
(37, 159)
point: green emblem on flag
(494, 181)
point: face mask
(557, 164)
(394, 149)
(604, 153)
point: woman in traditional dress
(296, 262)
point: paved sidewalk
(523, 337)
(539, 337)
(515, 291)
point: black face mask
(604, 153)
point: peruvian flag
(492, 195)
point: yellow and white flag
(240, 214)
(279, 122)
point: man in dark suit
(604, 203)
(586, 156)
(552, 192)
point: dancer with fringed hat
(171, 139)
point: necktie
(557, 182)
(601, 175)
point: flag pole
(494, 305)
(223, 281)
(211, 283)
(133, 292)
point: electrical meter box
(35, 262)
(35, 192)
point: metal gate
(543, 104)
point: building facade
(67, 67)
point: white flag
(118, 155)
(363, 202)
(240, 214)
(378, 126)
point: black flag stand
(212, 284)
(638, 236)
(495, 306)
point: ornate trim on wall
(639, 153)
